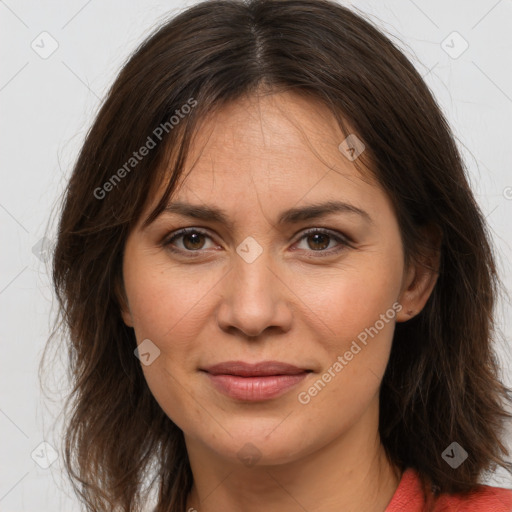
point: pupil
(318, 240)
(196, 240)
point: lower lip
(255, 388)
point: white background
(48, 104)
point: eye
(320, 241)
(192, 240)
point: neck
(349, 473)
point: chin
(265, 443)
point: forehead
(270, 153)
(270, 142)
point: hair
(442, 382)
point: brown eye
(318, 241)
(323, 242)
(187, 240)
(193, 241)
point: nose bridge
(253, 297)
(252, 274)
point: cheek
(356, 309)
(352, 297)
(355, 352)
(169, 307)
(168, 303)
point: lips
(254, 382)
(262, 369)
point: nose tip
(251, 322)
(251, 301)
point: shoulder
(482, 499)
(409, 497)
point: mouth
(254, 382)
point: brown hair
(441, 384)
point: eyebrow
(291, 216)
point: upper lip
(262, 368)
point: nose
(255, 298)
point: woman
(278, 286)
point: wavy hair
(442, 382)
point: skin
(257, 157)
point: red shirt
(409, 497)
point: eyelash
(342, 240)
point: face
(265, 277)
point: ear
(421, 275)
(120, 294)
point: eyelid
(331, 232)
(170, 237)
(343, 240)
